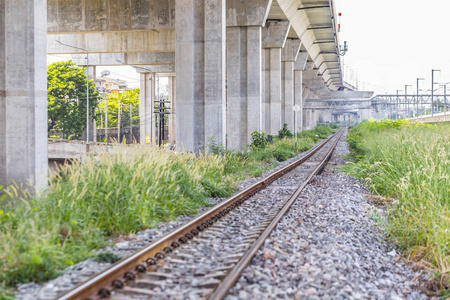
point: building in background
(110, 85)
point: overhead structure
(241, 65)
(314, 22)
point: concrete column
(243, 85)
(298, 99)
(274, 37)
(271, 111)
(288, 95)
(145, 107)
(265, 89)
(254, 80)
(23, 92)
(299, 66)
(200, 69)
(275, 91)
(288, 57)
(172, 122)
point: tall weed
(409, 163)
(116, 193)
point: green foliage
(127, 98)
(5, 294)
(334, 126)
(316, 134)
(368, 127)
(409, 163)
(67, 95)
(106, 257)
(259, 140)
(284, 132)
(215, 148)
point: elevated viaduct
(235, 66)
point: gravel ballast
(328, 246)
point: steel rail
(229, 281)
(115, 277)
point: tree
(125, 98)
(67, 99)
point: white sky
(393, 42)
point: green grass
(409, 163)
(117, 193)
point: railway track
(204, 257)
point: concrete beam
(309, 65)
(291, 50)
(247, 12)
(111, 16)
(113, 42)
(300, 63)
(346, 95)
(275, 33)
(23, 92)
(201, 71)
(159, 69)
(118, 59)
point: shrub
(259, 140)
(284, 132)
(215, 148)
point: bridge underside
(240, 66)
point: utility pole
(398, 113)
(118, 125)
(131, 122)
(106, 121)
(432, 90)
(417, 102)
(445, 96)
(406, 105)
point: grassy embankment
(409, 165)
(117, 194)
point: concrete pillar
(200, 69)
(287, 96)
(288, 58)
(275, 91)
(306, 112)
(298, 99)
(299, 66)
(271, 110)
(172, 121)
(145, 107)
(265, 89)
(243, 85)
(23, 92)
(274, 38)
